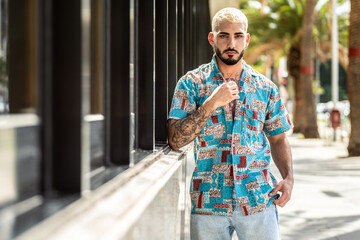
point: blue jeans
(259, 226)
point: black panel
(18, 55)
(67, 95)
(117, 81)
(27, 144)
(60, 80)
(161, 70)
(194, 34)
(172, 48)
(45, 69)
(203, 27)
(144, 73)
(188, 53)
(181, 38)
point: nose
(232, 42)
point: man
(236, 117)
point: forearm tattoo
(183, 131)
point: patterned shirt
(232, 151)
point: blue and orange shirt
(232, 152)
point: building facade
(85, 89)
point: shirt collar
(246, 78)
(242, 84)
(215, 68)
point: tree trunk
(293, 65)
(354, 78)
(310, 129)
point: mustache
(229, 49)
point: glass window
(4, 91)
(96, 91)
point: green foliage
(283, 20)
(323, 28)
(323, 33)
(244, 4)
(280, 23)
(343, 27)
(325, 82)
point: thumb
(275, 190)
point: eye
(222, 36)
(238, 36)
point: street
(325, 200)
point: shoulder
(197, 75)
(259, 80)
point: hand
(223, 94)
(285, 186)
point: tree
(293, 65)
(354, 78)
(310, 129)
(278, 33)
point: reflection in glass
(4, 94)
(96, 55)
(132, 83)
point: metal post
(85, 97)
(317, 65)
(117, 83)
(335, 60)
(317, 74)
(144, 75)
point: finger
(234, 91)
(232, 84)
(282, 200)
(235, 96)
(275, 190)
(232, 88)
(277, 202)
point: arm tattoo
(183, 131)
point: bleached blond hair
(229, 14)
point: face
(229, 42)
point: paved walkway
(326, 198)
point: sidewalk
(325, 202)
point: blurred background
(86, 86)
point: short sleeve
(277, 120)
(183, 102)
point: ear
(247, 39)
(211, 38)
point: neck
(230, 72)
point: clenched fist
(222, 95)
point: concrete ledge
(110, 211)
(18, 120)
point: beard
(231, 60)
